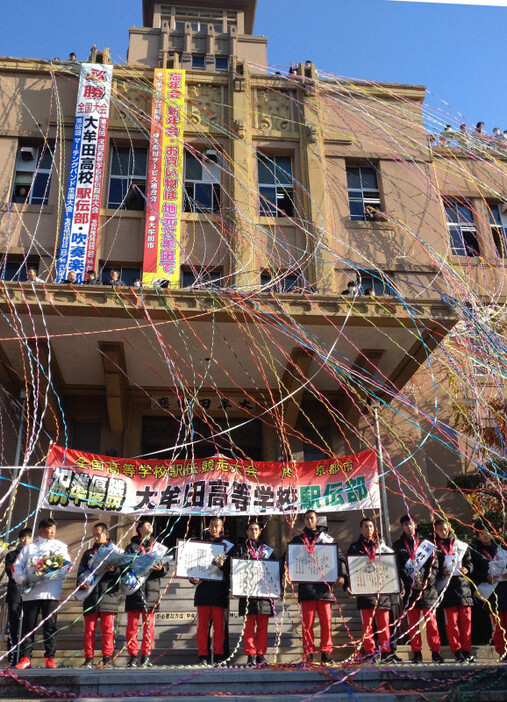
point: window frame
(22, 263)
(212, 278)
(130, 178)
(367, 196)
(285, 282)
(33, 174)
(498, 228)
(462, 234)
(133, 272)
(283, 192)
(376, 281)
(211, 177)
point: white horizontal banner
(491, 3)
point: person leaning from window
(71, 278)
(13, 599)
(212, 599)
(92, 278)
(317, 598)
(144, 601)
(488, 570)
(352, 289)
(103, 601)
(420, 595)
(257, 609)
(31, 276)
(114, 279)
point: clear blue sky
(458, 51)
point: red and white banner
(85, 482)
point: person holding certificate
(103, 601)
(144, 601)
(454, 570)
(257, 610)
(490, 575)
(418, 569)
(373, 606)
(317, 597)
(212, 599)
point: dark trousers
(14, 608)
(31, 611)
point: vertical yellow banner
(165, 180)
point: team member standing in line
(418, 568)
(103, 601)
(317, 598)
(14, 595)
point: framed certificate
(255, 579)
(321, 565)
(379, 577)
(195, 560)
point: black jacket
(425, 598)
(105, 596)
(458, 592)
(252, 605)
(148, 595)
(316, 591)
(480, 560)
(214, 593)
(368, 601)
(13, 589)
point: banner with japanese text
(84, 190)
(84, 482)
(164, 188)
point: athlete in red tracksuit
(457, 599)
(371, 606)
(257, 610)
(420, 594)
(102, 603)
(317, 598)
(484, 553)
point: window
(127, 182)
(275, 186)
(374, 281)
(201, 278)
(221, 63)
(198, 63)
(362, 184)
(33, 175)
(462, 230)
(14, 267)
(282, 283)
(86, 436)
(498, 222)
(127, 274)
(202, 182)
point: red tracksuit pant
(499, 636)
(204, 616)
(90, 628)
(148, 617)
(458, 622)
(432, 636)
(383, 633)
(256, 643)
(324, 609)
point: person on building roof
(92, 278)
(114, 279)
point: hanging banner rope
(84, 482)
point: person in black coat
(457, 599)
(102, 603)
(144, 601)
(488, 565)
(372, 607)
(317, 597)
(420, 595)
(212, 599)
(13, 598)
(257, 609)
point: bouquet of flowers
(141, 566)
(46, 565)
(106, 556)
